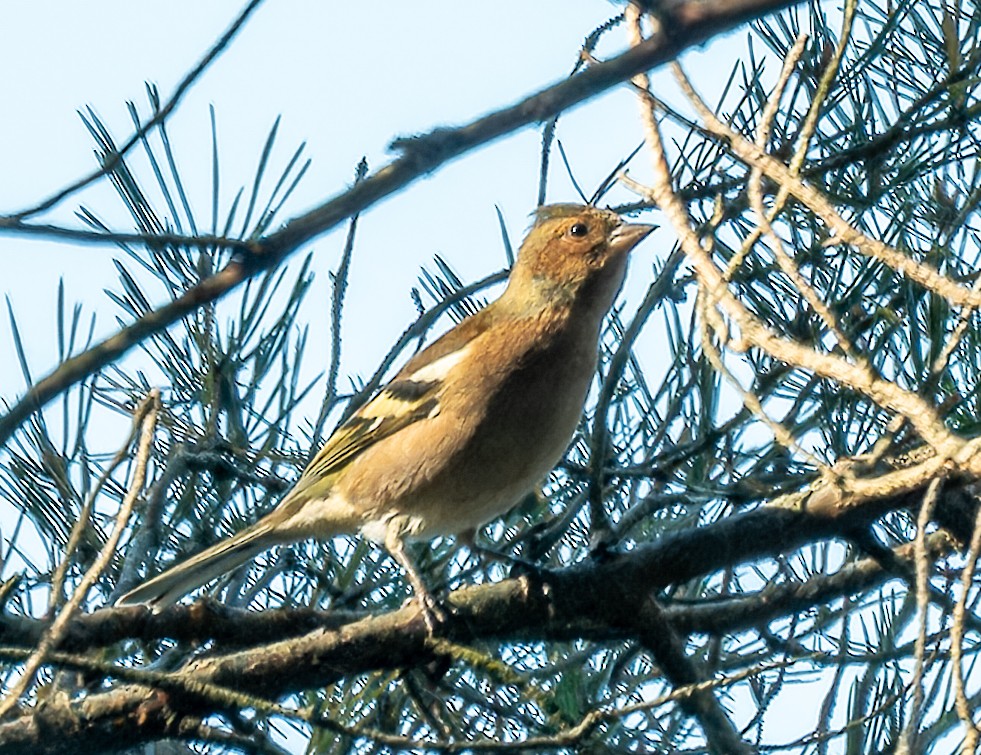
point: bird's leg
(432, 613)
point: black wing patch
(397, 406)
(410, 390)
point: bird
(466, 428)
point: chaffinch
(467, 427)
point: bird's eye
(579, 230)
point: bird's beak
(627, 235)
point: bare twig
(599, 439)
(84, 522)
(963, 706)
(923, 566)
(14, 226)
(764, 218)
(57, 630)
(750, 400)
(920, 413)
(338, 290)
(845, 232)
(113, 160)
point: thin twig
(56, 632)
(113, 160)
(659, 289)
(923, 566)
(13, 226)
(83, 523)
(764, 218)
(963, 706)
(338, 290)
(658, 636)
(750, 400)
(844, 232)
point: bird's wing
(413, 394)
(397, 405)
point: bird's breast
(482, 452)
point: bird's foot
(432, 612)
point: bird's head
(573, 251)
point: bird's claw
(432, 612)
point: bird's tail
(207, 565)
